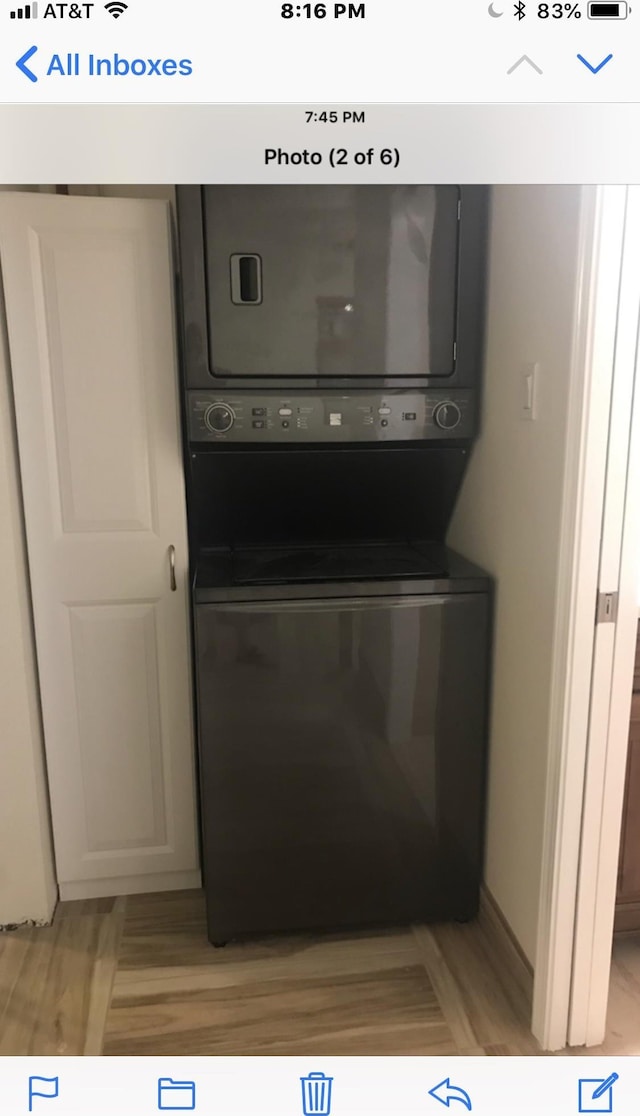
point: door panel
(612, 480)
(342, 749)
(88, 287)
(95, 389)
(114, 649)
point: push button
(384, 410)
(285, 411)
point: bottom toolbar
(317, 1086)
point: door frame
(587, 751)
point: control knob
(219, 418)
(447, 415)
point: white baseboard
(512, 967)
(130, 885)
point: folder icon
(174, 1096)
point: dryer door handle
(172, 568)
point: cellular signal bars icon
(30, 11)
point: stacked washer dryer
(332, 346)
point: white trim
(613, 678)
(602, 225)
(130, 885)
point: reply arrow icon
(445, 1092)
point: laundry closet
(129, 446)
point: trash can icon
(316, 1095)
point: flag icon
(42, 1087)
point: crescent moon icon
(493, 13)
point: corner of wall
(28, 888)
(509, 518)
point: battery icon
(608, 11)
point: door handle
(172, 569)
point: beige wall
(508, 519)
(28, 888)
(27, 880)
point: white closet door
(88, 288)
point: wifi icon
(116, 8)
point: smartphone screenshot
(320, 562)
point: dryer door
(331, 281)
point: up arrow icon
(529, 61)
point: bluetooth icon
(520, 9)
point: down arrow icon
(595, 69)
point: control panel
(397, 416)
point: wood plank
(58, 1001)
(33, 952)
(469, 957)
(366, 992)
(13, 954)
(64, 1006)
(104, 972)
(395, 1011)
(311, 961)
(448, 992)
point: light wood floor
(137, 976)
